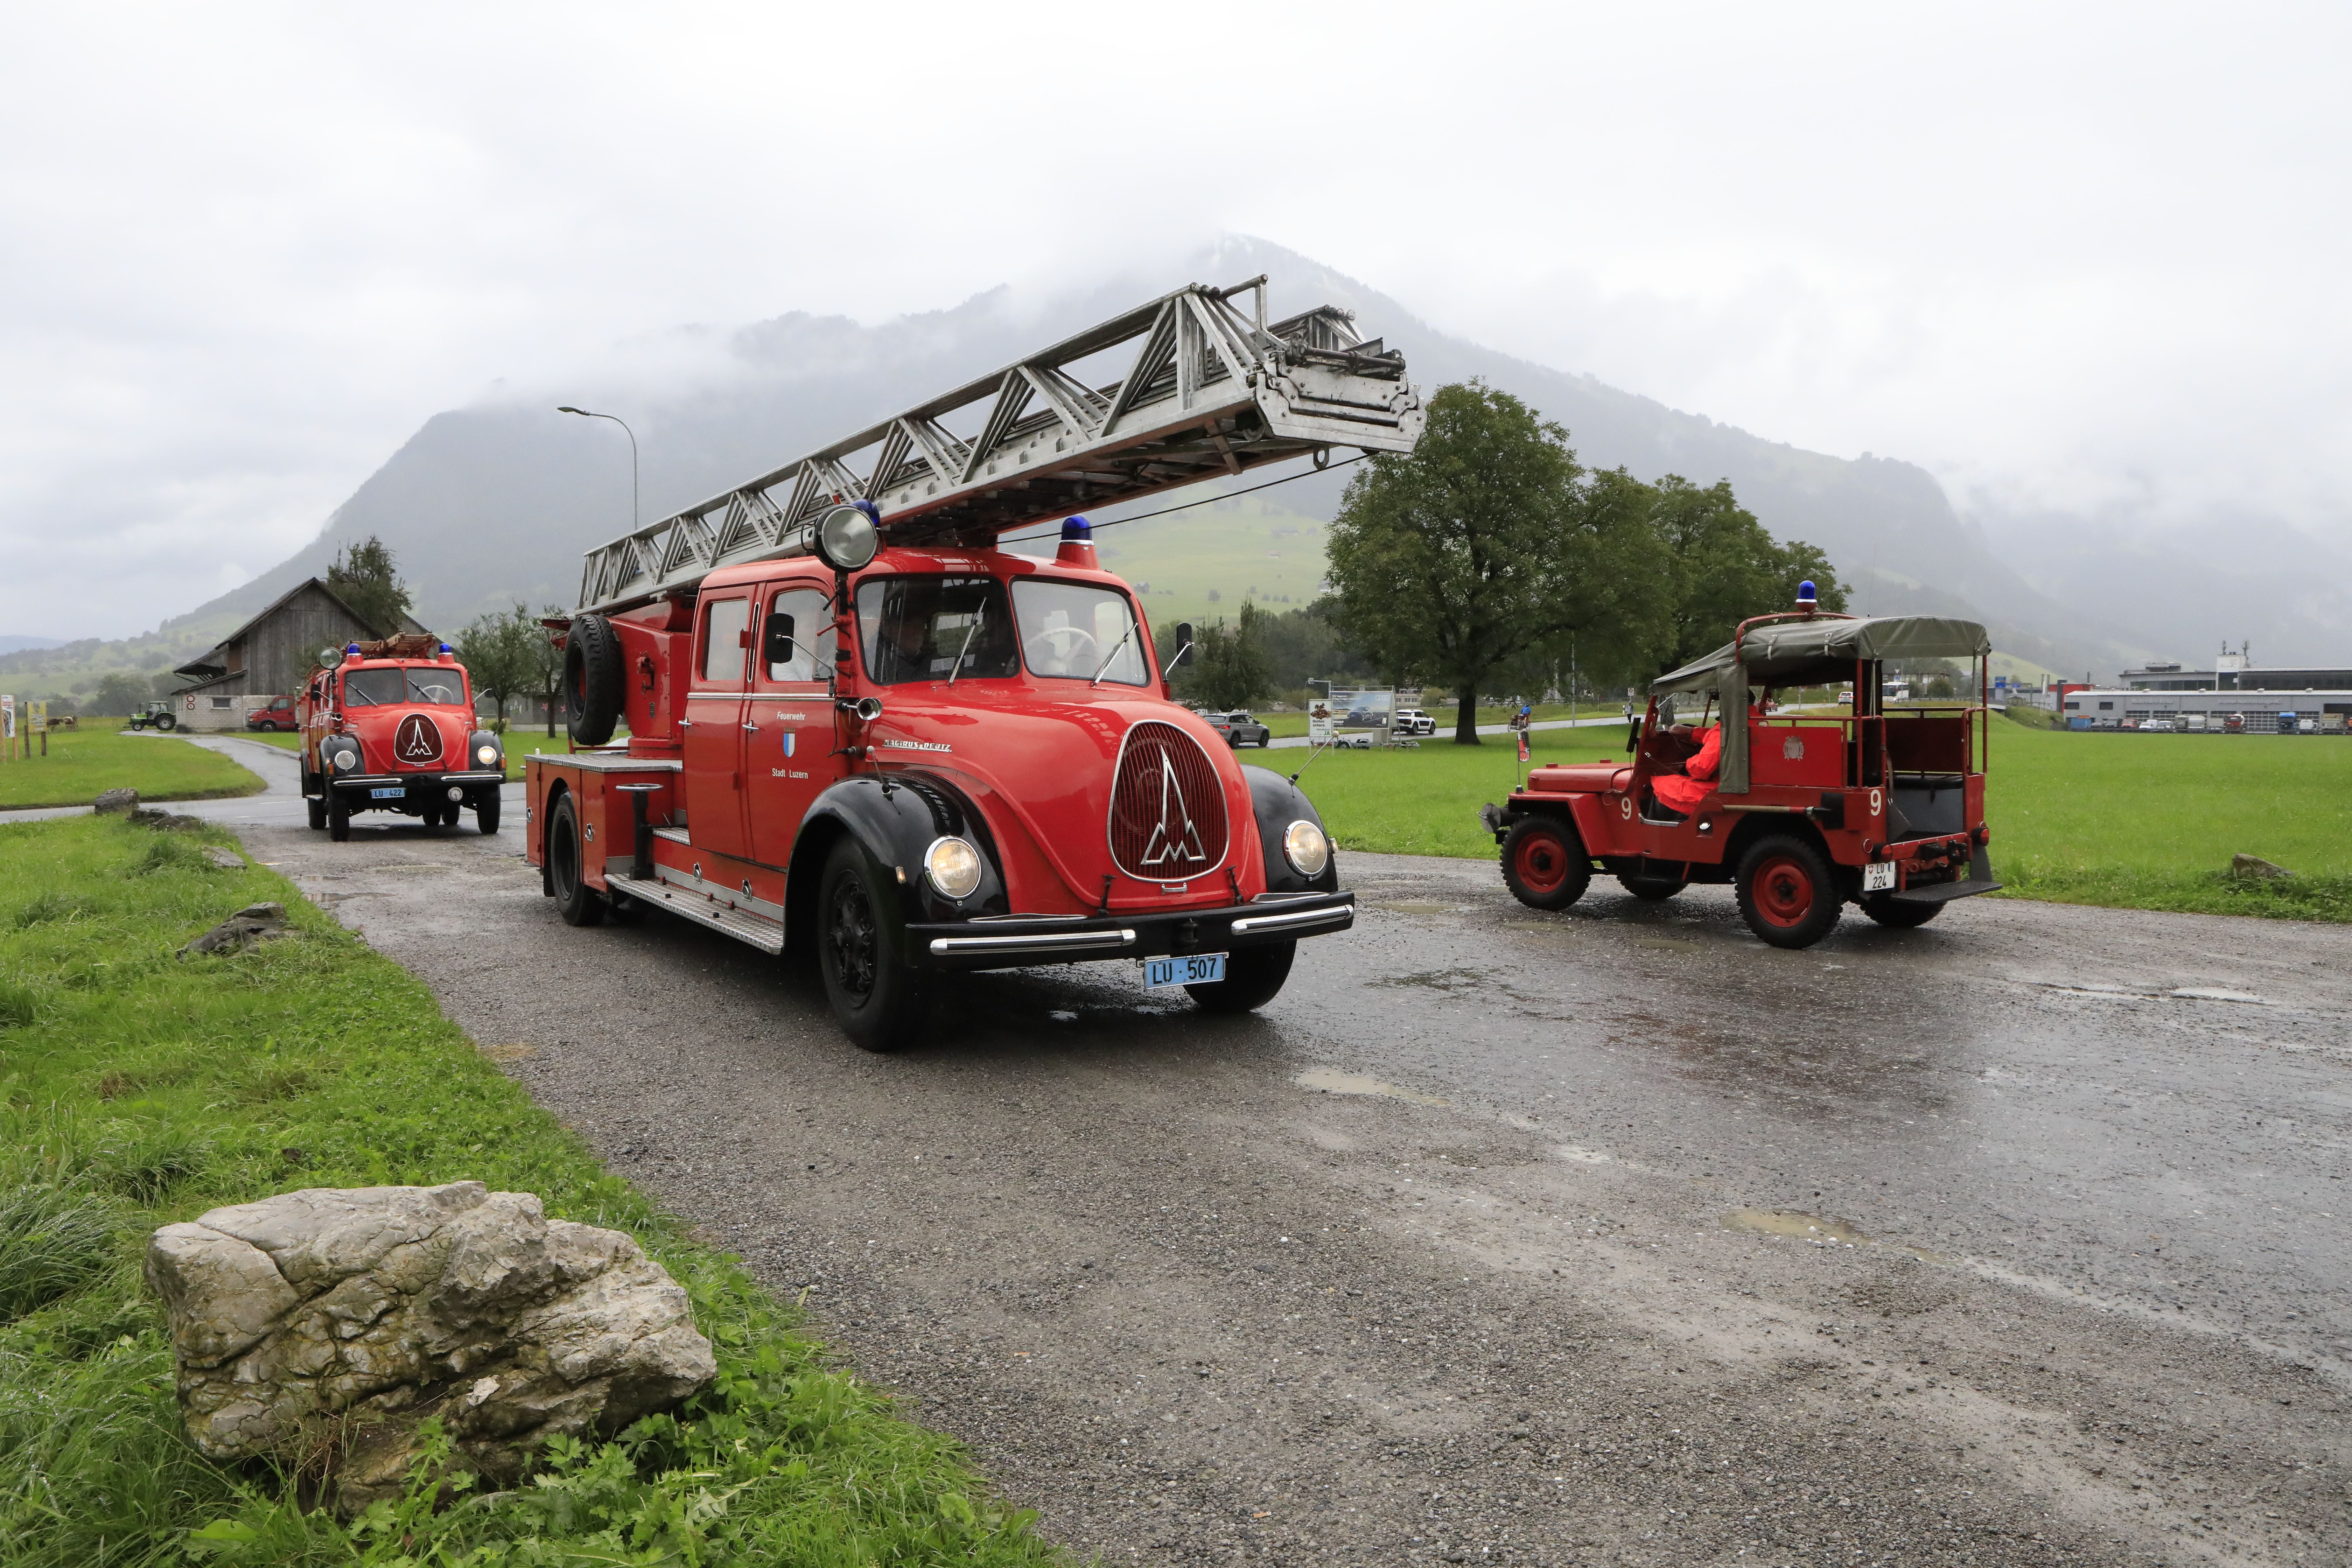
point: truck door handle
(751, 726)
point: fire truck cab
(1880, 807)
(390, 726)
(919, 761)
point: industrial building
(2233, 696)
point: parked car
(1413, 721)
(1238, 729)
(277, 715)
(2155, 727)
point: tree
(119, 693)
(1230, 667)
(1449, 562)
(363, 576)
(1725, 568)
(488, 650)
(542, 658)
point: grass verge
(2127, 821)
(520, 743)
(136, 1089)
(83, 764)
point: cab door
(714, 723)
(789, 735)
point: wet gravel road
(1609, 1237)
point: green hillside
(1205, 561)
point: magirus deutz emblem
(1174, 847)
(418, 743)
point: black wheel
(1900, 915)
(166, 722)
(1544, 863)
(1787, 895)
(1254, 976)
(878, 997)
(593, 680)
(576, 901)
(338, 817)
(317, 803)
(1651, 889)
(486, 816)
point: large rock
(252, 924)
(115, 799)
(342, 1317)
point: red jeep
(390, 726)
(1806, 812)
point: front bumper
(1006, 942)
(413, 787)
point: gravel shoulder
(1512, 1238)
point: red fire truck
(861, 726)
(390, 726)
(1808, 812)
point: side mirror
(1183, 655)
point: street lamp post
(591, 414)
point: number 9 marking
(1625, 807)
(1878, 801)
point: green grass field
(85, 762)
(2126, 820)
(136, 1090)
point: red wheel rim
(1784, 890)
(1541, 862)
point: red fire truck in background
(860, 726)
(390, 726)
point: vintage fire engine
(859, 727)
(390, 726)
(1880, 807)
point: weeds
(319, 1055)
(19, 1005)
(53, 1241)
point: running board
(760, 932)
(1944, 892)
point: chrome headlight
(485, 754)
(954, 867)
(346, 758)
(1304, 846)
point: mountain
(492, 504)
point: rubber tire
(486, 816)
(879, 1000)
(1650, 890)
(576, 901)
(316, 803)
(338, 820)
(593, 689)
(1786, 912)
(1544, 863)
(1254, 977)
(1900, 915)
(166, 722)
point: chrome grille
(1167, 806)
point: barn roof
(210, 665)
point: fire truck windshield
(921, 628)
(1077, 631)
(438, 684)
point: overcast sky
(2059, 255)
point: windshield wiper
(1113, 654)
(978, 616)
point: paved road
(1503, 1238)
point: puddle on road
(1666, 943)
(1418, 907)
(1819, 1230)
(1331, 1080)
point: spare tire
(592, 693)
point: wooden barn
(268, 657)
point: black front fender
(897, 818)
(1277, 802)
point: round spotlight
(1304, 846)
(954, 867)
(847, 537)
(485, 754)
